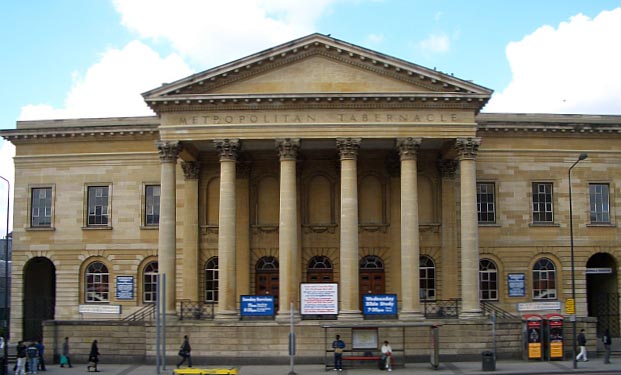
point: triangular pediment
(319, 66)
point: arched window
(488, 280)
(372, 279)
(544, 279)
(149, 283)
(267, 281)
(319, 270)
(427, 278)
(211, 280)
(97, 281)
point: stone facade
(316, 149)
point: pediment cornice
(199, 88)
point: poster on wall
(517, 284)
(379, 304)
(364, 338)
(319, 299)
(125, 288)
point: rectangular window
(152, 205)
(600, 204)
(542, 202)
(486, 207)
(41, 207)
(98, 205)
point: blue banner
(257, 305)
(379, 304)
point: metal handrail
(146, 312)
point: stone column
(449, 230)
(467, 149)
(227, 220)
(410, 244)
(288, 254)
(191, 171)
(167, 241)
(348, 290)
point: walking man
(582, 343)
(607, 341)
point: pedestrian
(65, 358)
(41, 349)
(338, 345)
(387, 355)
(32, 353)
(582, 343)
(93, 357)
(20, 366)
(607, 341)
(185, 352)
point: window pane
(600, 206)
(97, 283)
(211, 280)
(427, 278)
(152, 205)
(150, 282)
(97, 205)
(41, 207)
(542, 202)
(486, 209)
(544, 279)
(488, 276)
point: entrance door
(372, 277)
(602, 293)
(39, 296)
(266, 280)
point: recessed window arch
(267, 278)
(372, 278)
(149, 282)
(488, 280)
(319, 270)
(544, 279)
(97, 283)
(427, 270)
(211, 280)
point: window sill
(40, 229)
(542, 225)
(601, 225)
(149, 227)
(489, 225)
(97, 228)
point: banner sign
(319, 299)
(124, 287)
(257, 305)
(379, 304)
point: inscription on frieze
(326, 117)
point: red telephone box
(554, 336)
(533, 336)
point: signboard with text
(379, 304)
(517, 285)
(319, 299)
(124, 287)
(257, 306)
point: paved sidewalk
(504, 367)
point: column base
(411, 316)
(226, 315)
(472, 314)
(350, 315)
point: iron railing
(146, 312)
(442, 309)
(193, 310)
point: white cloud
(7, 170)
(374, 39)
(435, 43)
(210, 33)
(112, 87)
(573, 68)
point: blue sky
(76, 58)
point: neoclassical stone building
(316, 161)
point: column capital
(169, 151)
(348, 147)
(447, 167)
(408, 147)
(288, 148)
(191, 169)
(467, 147)
(228, 148)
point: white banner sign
(319, 299)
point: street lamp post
(573, 269)
(5, 332)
